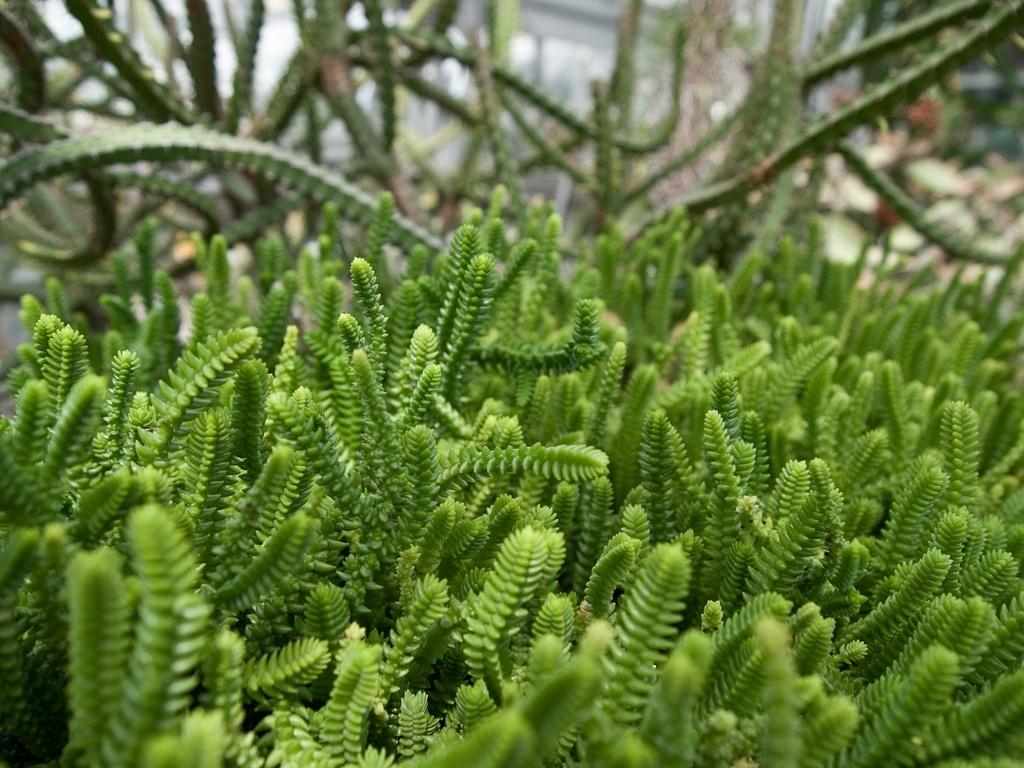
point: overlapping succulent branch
(327, 69)
(492, 507)
(168, 143)
(792, 535)
(828, 130)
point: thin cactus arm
(157, 99)
(30, 74)
(565, 146)
(623, 77)
(336, 85)
(912, 214)
(169, 143)
(444, 17)
(551, 155)
(169, 23)
(489, 94)
(300, 75)
(385, 69)
(920, 27)
(431, 92)
(246, 46)
(838, 29)
(201, 58)
(335, 82)
(719, 133)
(179, 191)
(78, 50)
(104, 206)
(440, 46)
(26, 127)
(256, 221)
(1000, 23)
(83, 247)
(437, 45)
(607, 169)
(664, 130)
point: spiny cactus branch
(28, 64)
(25, 126)
(905, 207)
(201, 58)
(159, 101)
(891, 39)
(168, 143)
(439, 46)
(552, 155)
(257, 221)
(180, 191)
(685, 158)
(995, 26)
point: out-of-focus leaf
(955, 216)
(906, 239)
(843, 239)
(938, 177)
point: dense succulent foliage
(498, 498)
(483, 509)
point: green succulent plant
(224, 157)
(484, 510)
(679, 494)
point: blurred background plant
(616, 112)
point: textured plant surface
(485, 511)
(224, 157)
(499, 497)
